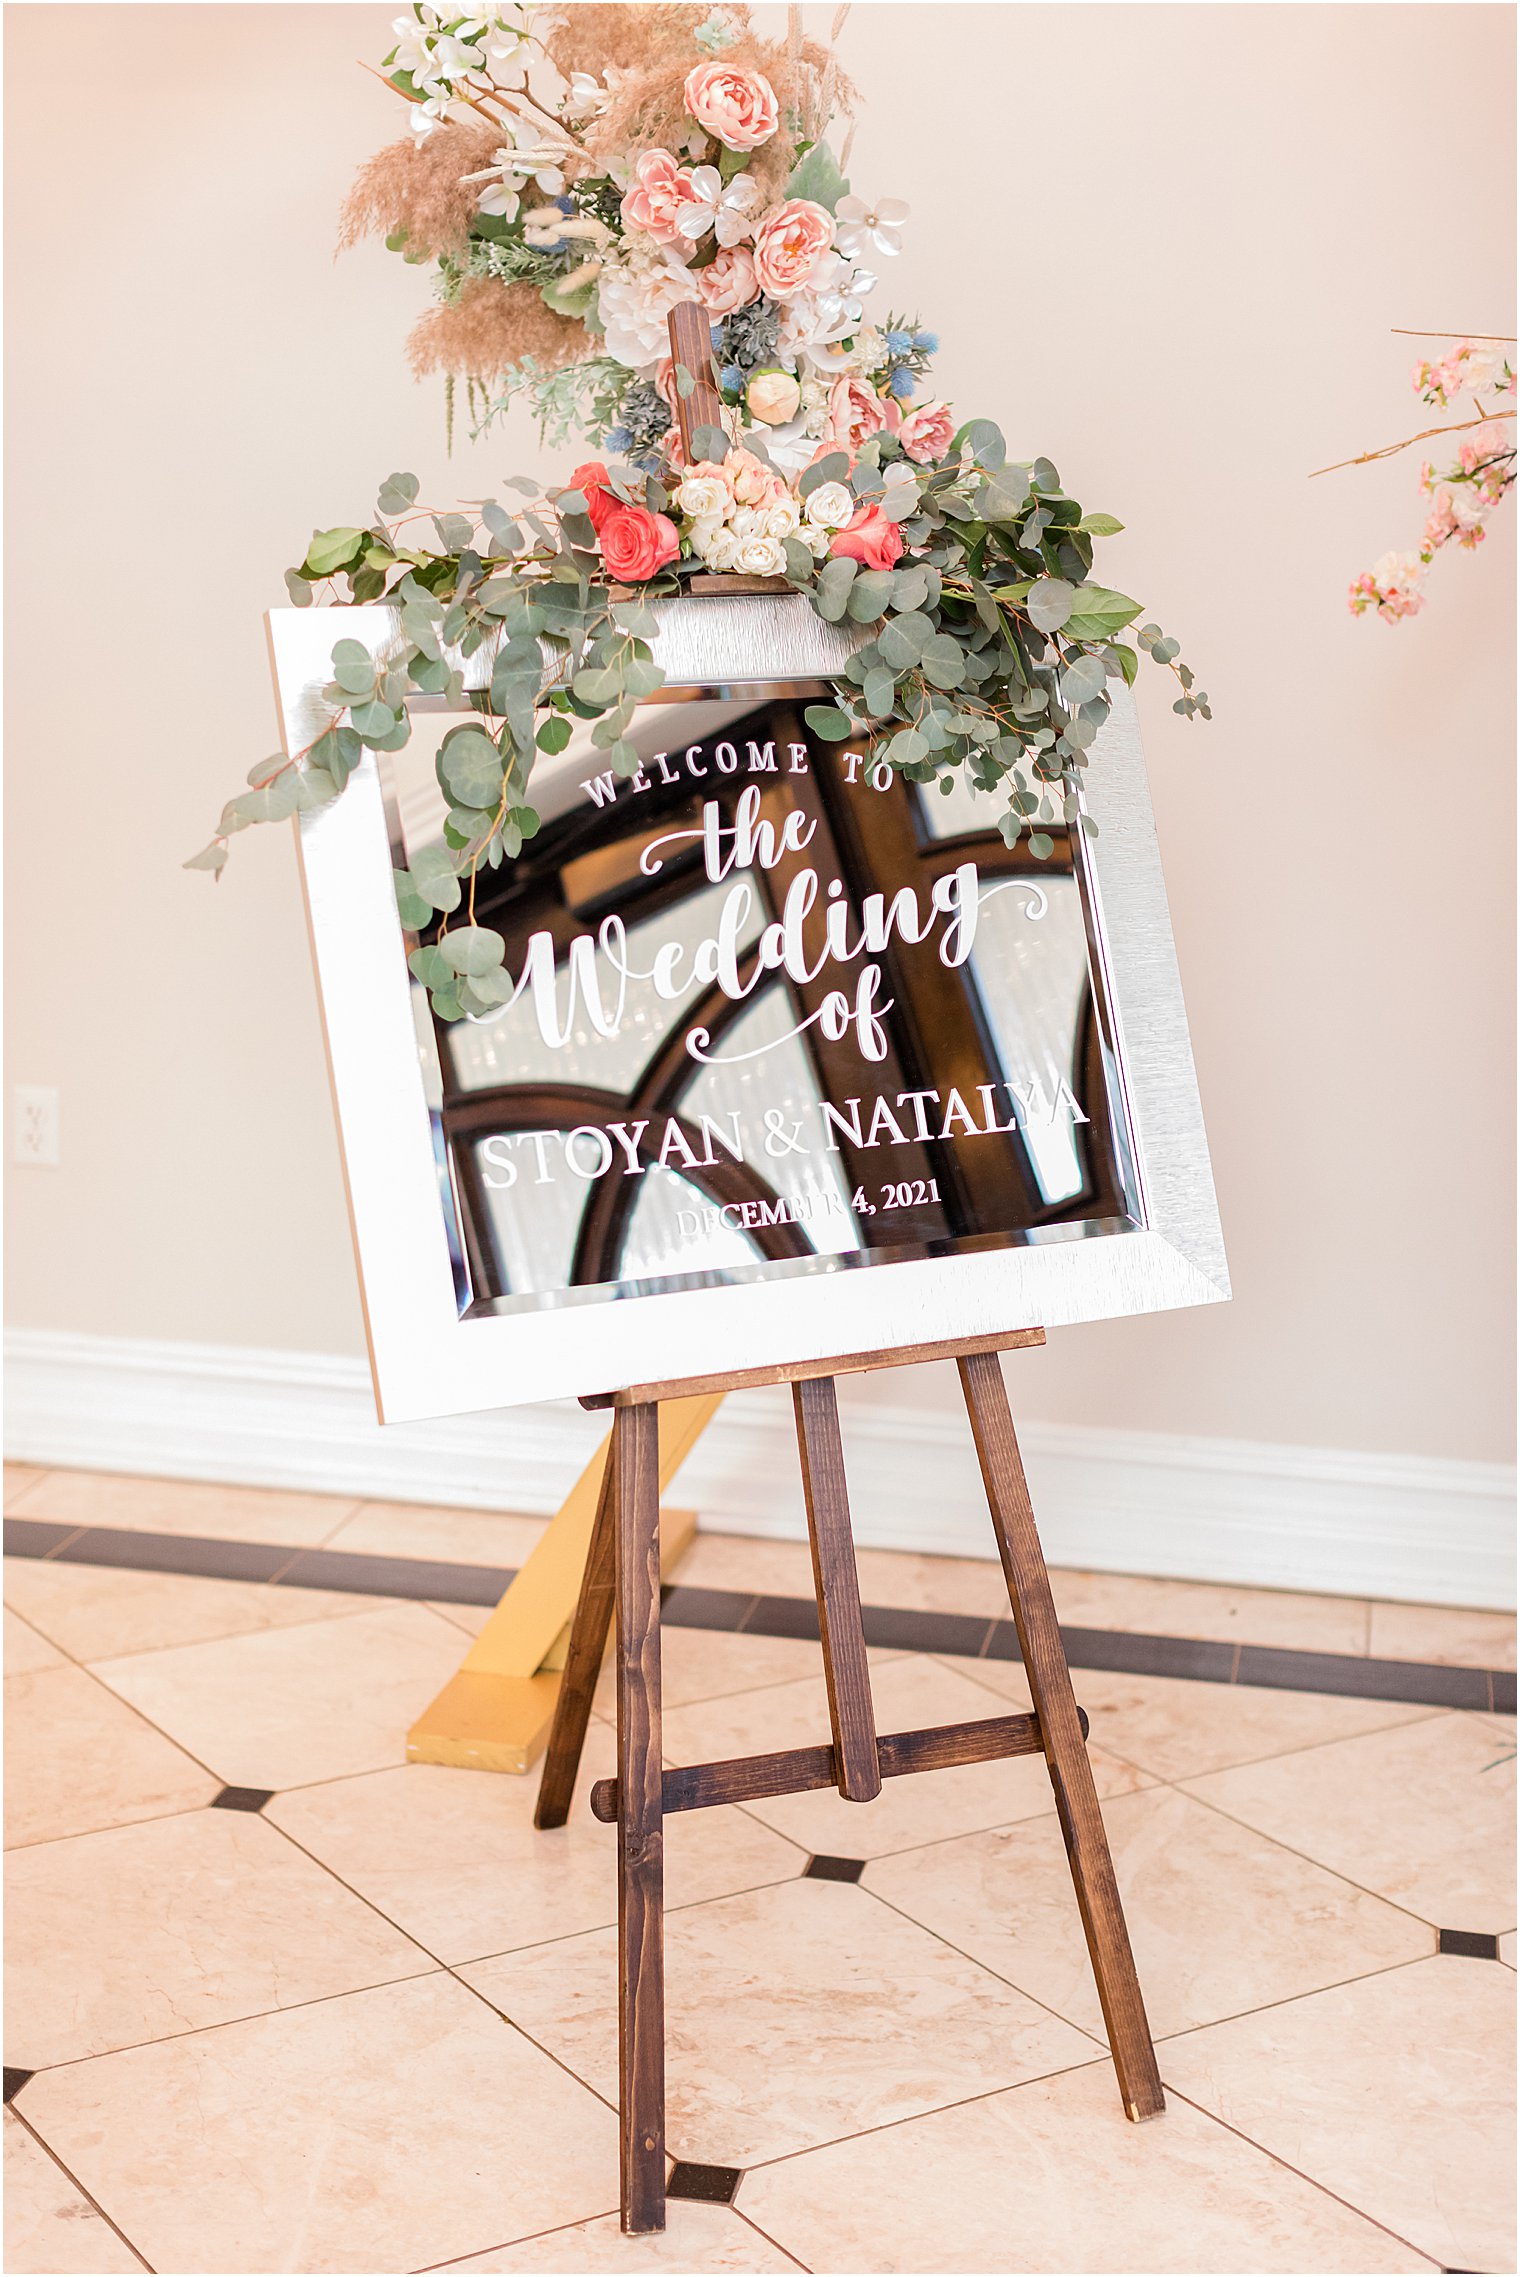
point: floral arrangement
(1462, 493)
(688, 165)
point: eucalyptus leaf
(472, 949)
(829, 722)
(1051, 601)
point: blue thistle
(927, 342)
(731, 379)
(902, 382)
(899, 342)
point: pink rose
(870, 539)
(636, 543)
(926, 432)
(738, 107)
(790, 244)
(656, 195)
(728, 281)
(752, 482)
(601, 503)
(855, 411)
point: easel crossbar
(795, 1770)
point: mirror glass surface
(774, 1016)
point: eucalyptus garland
(986, 644)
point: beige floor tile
(1221, 1920)
(116, 1938)
(911, 1693)
(26, 1649)
(424, 1530)
(745, 1562)
(1206, 1609)
(1443, 1633)
(77, 1759)
(50, 2230)
(385, 2130)
(454, 1859)
(20, 1478)
(470, 1618)
(185, 1506)
(1397, 2093)
(707, 1664)
(287, 1707)
(934, 1585)
(1423, 1815)
(794, 2014)
(710, 2238)
(1179, 1729)
(98, 1612)
(1051, 2177)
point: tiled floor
(357, 2015)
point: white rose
(760, 557)
(830, 506)
(725, 550)
(816, 539)
(748, 522)
(782, 518)
(703, 534)
(703, 496)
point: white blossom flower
(422, 118)
(862, 229)
(728, 209)
(830, 506)
(760, 557)
(791, 447)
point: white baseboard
(1226, 1510)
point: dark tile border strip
(889, 1627)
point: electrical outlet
(35, 1134)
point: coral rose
(925, 433)
(871, 539)
(636, 544)
(738, 107)
(789, 246)
(728, 281)
(601, 501)
(855, 411)
(654, 198)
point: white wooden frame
(427, 1361)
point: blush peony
(654, 199)
(728, 281)
(871, 539)
(926, 432)
(855, 411)
(790, 245)
(601, 502)
(636, 544)
(738, 107)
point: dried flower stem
(1389, 450)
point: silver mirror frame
(426, 1361)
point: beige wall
(1183, 295)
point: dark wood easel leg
(641, 1863)
(583, 1665)
(1034, 1613)
(837, 1587)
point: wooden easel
(623, 1569)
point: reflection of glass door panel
(869, 1031)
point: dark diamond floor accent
(241, 1799)
(826, 1869)
(15, 2080)
(712, 2185)
(1472, 1944)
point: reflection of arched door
(968, 1181)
